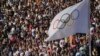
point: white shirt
(33, 30)
(21, 54)
(30, 50)
(78, 54)
(45, 54)
(98, 7)
(12, 30)
(26, 53)
(16, 53)
(37, 36)
(61, 43)
(91, 29)
(40, 46)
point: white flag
(74, 19)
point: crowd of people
(95, 27)
(24, 26)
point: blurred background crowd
(24, 25)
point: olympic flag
(74, 19)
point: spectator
(25, 24)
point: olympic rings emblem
(66, 19)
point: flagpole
(90, 38)
(90, 51)
(89, 42)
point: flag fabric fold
(74, 19)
